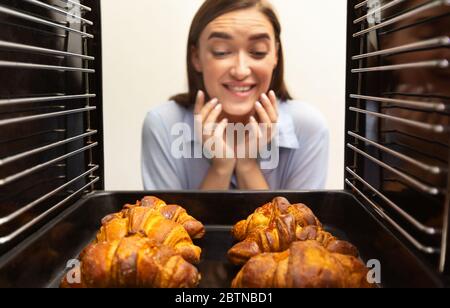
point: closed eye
(259, 54)
(220, 54)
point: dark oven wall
(50, 110)
(398, 97)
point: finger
(228, 137)
(219, 134)
(198, 118)
(262, 114)
(255, 137)
(214, 114)
(267, 104)
(255, 127)
(208, 108)
(220, 129)
(266, 133)
(199, 102)
(274, 100)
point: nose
(241, 68)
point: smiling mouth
(240, 90)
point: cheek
(263, 73)
(263, 70)
(212, 73)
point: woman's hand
(267, 111)
(261, 133)
(225, 155)
(248, 172)
(212, 132)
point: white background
(144, 63)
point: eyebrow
(226, 36)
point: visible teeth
(239, 89)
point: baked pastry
(173, 212)
(133, 262)
(306, 264)
(282, 229)
(151, 223)
(262, 215)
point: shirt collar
(287, 136)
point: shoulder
(169, 111)
(307, 119)
(165, 115)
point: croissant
(262, 215)
(172, 212)
(327, 240)
(279, 234)
(133, 262)
(305, 264)
(151, 223)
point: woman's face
(237, 55)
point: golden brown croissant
(276, 237)
(151, 223)
(114, 227)
(133, 261)
(327, 240)
(305, 264)
(173, 212)
(279, 234)
(262, 215)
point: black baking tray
(40, 260)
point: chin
(238, 109)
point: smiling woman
(239, 51)
(236, 85)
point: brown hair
(210, 10)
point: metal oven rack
(397, 133)
(50, 111)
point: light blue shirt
(303, 150)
